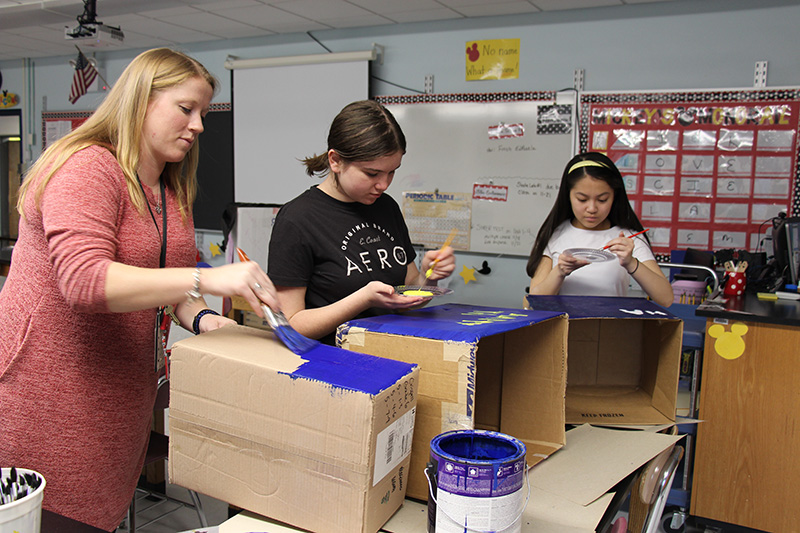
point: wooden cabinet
(747, 460)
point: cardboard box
(480, 368)
(321, 441)
(624, 359)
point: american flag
(85, 73)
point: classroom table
(746, 470)
(577, 490)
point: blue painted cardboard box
(624, 359)
(319, 441)
(480, 368)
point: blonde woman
(106, 242)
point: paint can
(475, 482)
(21, 507)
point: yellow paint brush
(447, 242)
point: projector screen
(280, 116)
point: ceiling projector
(97, 35)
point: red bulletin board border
(75, 117)
(741, 146)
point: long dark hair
(362, 131)
(599, 167)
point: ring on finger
(256, 286)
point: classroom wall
(691, 44)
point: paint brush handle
(446, 243)
(629, 236)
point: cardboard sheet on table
(600, 458)
(549, 513)
(247, 522)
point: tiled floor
(183, 519)
(186, 520)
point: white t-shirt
(595, 279)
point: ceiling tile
(271, 18)
(163, 30)
(319, 11)
(557, 5)
(352, 22)
(162, 14)
(501, 8)
(462, 3)
(213, 24)
(424, 15)
(384, 7)
(222, 5)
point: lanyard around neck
(163, 259)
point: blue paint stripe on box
(600, 306)
(451, 322)
(351, 370)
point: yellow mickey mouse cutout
(729, 344)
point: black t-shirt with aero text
(334, 248)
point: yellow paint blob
(418, 293)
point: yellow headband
(586, 163)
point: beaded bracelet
(635, 269)
(198, 316)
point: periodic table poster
(703, 169)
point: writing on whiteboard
(500, 236)
(500, 148)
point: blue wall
(684, 44)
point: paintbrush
(447, 242)
(629, 236)
(280, 325)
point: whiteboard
(507, 151)
(281, 115)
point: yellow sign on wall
(8, 99)
(496, 59)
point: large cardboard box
(624, 359)
(480, 368)
(320, 441)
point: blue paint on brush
(351, 370)
(452, 322)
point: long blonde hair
(117, 125)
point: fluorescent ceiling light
(233, 63)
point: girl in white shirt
(592, 211)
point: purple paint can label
(478, 481)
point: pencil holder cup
(21, 507)
(735, 285)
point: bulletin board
(486, 164)
(215, 167)
(56, 124)
(703, 169)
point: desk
(746, 468)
